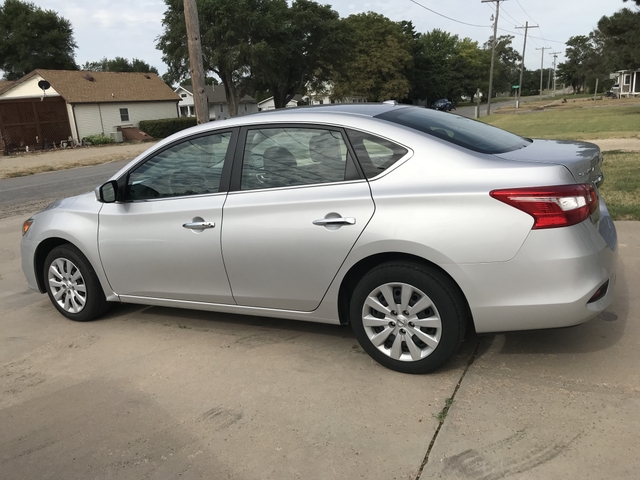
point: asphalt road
(25, 195)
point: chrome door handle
(198, 225)
(335, 221)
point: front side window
(124, 114)
(282, 157)
(191, 167)
(375, 154)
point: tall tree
(620, 36)
(583, 61)
(507, 67)
(31, 38)
(119, 64)
(226, 30)
(297, 46)
(378, 62)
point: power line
(449, 18)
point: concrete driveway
(158, 393)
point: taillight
(550, 207)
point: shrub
(166, 126)
(99, 139)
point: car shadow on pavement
(600, 333)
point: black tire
(84, 294)
(447, 314)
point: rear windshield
(467, 133)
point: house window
(321, 102)
(627, 79)
(221, 108)
(124, 114)
(183, 95)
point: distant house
(629, 82)
(218, 107)
(46, 107)
(325, 99)
(270, 104)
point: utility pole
(555, 57)
(195, 61)
(493, 50)
(541, 67)
(524, 49)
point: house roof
(102, 87)
(217, 95)
(5, 84)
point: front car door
(163, 240)
(297, 206)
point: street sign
(515, 86)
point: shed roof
(102, 87)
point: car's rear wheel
(72, 284)
(408, 317)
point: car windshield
(467, 133)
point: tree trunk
(279, 98)
(230, 93)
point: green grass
(621, 188)
(572, 124)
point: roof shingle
(103, 87)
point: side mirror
(108, 192)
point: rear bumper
(549, 283)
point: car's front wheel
(72, 284)
(408, 317)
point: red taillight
(550, 207)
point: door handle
(335, 221)
(198, 225)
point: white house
(50, 106)
(270, 104)
(218, 108)
(629, 82)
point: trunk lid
(583, 159)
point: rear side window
(467, 133)
(375, 154)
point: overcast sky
(129, 28)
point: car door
(163, 240)
(297, 206)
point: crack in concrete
(445, 410)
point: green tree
(378, 62)
(227, 30)
(507, 66)
(31, 38)
(584, 61)
(120, 64)
(297, 46)
(620, 39)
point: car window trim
(236, 173)
(225, 178)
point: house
(269, 104)
(218, 108)
(46, 107)
(628, 82)
(325, 99)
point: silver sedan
(410, 224)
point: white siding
(105, 117)
(29, 89)
(88, 120)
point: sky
(129, 28)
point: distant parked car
(443, 105)
(407, 223)
(615, 91)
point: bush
(166, 126)
(99, 139)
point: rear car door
(163, 241)
(297, 206)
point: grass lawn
(621, 188)
(572, 123)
